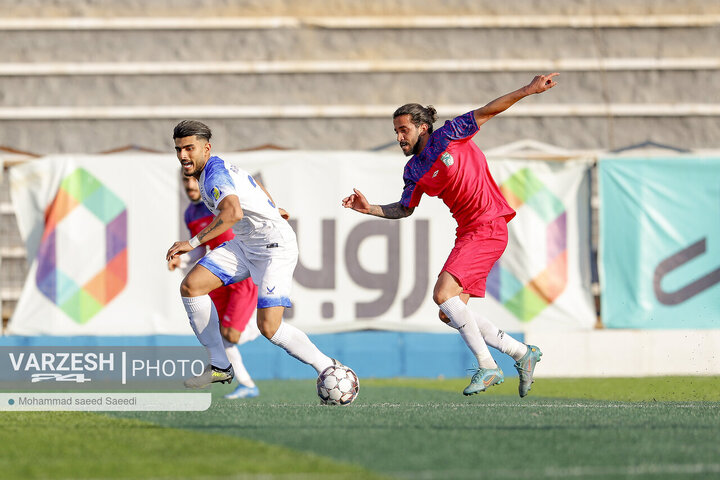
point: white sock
(241, 373)
(298, 345)
(496, 338)
(205, 324)
(461, 318)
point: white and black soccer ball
(337, 385)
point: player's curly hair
(188, 128)
(418, 114)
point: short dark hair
(418, 114)
(187, 128)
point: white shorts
(271, 267)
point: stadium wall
(375, 354)
(628, 353)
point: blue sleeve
(218, 183)
(407, 193)
(460, 127)
(411, 193)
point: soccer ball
(337, 385)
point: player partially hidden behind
(447, 164)
(234, 303)
(264, 248)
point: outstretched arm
(359, 203)
(538, 84)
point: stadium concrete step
(342, 8)
(284, 44)
(327, 89)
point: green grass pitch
(649, 428)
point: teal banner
(660, 242)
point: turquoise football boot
(526, 368)
(484, 378)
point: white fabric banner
(355, 271)
(97, 228)
(543, 280)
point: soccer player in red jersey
(447, 164)
(235, 303)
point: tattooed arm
(359, 203)
(230, 213)
(392, 210)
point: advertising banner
(542, 281)
(99, 227)
(660, 242)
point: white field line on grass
(648, 404)
(571, 472)
(548, 472)
(256, 476)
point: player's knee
(189, 289)
(269, 320)
(231, 335)
(440, 296)
(185, 290)
(266, 330)
(268, 324)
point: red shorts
(474, 254)
(235, 303)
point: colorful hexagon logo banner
(86, 232)
(528, 299)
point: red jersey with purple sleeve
(452, 168)
(197, 217)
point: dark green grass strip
(72, 445)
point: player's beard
(195, 173)
(416, 148)
(413, 150)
